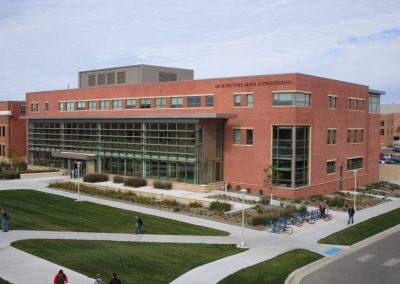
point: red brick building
(12, 129)
(313, 131)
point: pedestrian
(60, 278)
(72, 173)
(322, 209)
(351, 215)
(114, 279)
(139, 224)
(99, 279)
(4, 219)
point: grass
(363, 230)
(133, 262)
(2, 281)
(33, 210)
(274, 270)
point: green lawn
(363, 230)
(133, 262)
(2, 281)
(33, 210)
(274, 270)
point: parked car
(393, 161)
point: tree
(271, 179)
(15, 160)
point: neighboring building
(132, 75)
(12, 129)
(390, 125)
(313, 131)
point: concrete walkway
(19, 267)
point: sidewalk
(262, 245)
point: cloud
(45, 43)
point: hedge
(118, 179)
(219, 206)
(9, 175)
(95, 177)
(162, 184)
(135, 181)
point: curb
(297, 276)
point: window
(47, 106)
(130, 103)
(33, 107)
(194, 101)
(236, 136)
(161, 102)
(117, 104)
(354, 163)
(209, 101)
(382, 131)
(80, 105)
(145, 103)
(332, 102)
(23, 110)
(176, 102)
(104, 104)
(250, 100)
(290, 155)
(331, 136)
(111, 78)
(249, 136)
(356, 104)
(355, 135)
(237, 100)
(70, 106)
(37, 107)
(92, 105)
(330, 167)
(61, 106)
(382, 123)
(374, 103)
(291, 99)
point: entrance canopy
(75, 155)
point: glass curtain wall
(290, 155)
(154, 150)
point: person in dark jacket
(60, 278)
(139, 224)
(351, 215)
(114, 279)
(4, 219)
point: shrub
(177, 209)
(135, 181)
(162, 184)
(265, 219)
(169, 202)
(95, 177)
(118, 179)
(195, 204)
(265, 200)
(9, 175)
(219, 206)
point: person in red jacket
(60, 278)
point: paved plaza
(262, 245)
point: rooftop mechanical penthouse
(311, 131)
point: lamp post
(79, 166)
(243, 192)
(355, 187)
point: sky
(45, 43)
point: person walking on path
(60, 278)
(4, 219)
(99, 279)
(114, 279)
(351, 215)
(139, 224)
